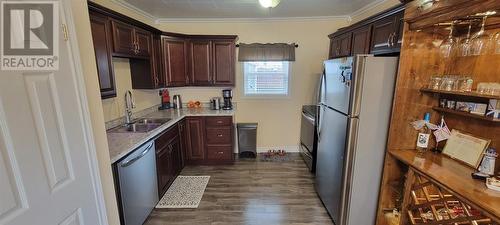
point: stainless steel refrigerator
(355, 103)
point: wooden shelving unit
(466, 114)
(458, 93)
(451, 177)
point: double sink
(141, 125)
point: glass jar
(434, 82)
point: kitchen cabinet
(219, 139)
(195, 139)
(123, 38)
(341, 46)
(223, 63)
(387, 34)
(174, 52)
(100, 28)
(201, 60)
(143, 41)
(379, 34)
(130, 41)
(361, 40)
(168, 158)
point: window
(266, 78)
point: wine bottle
(424, 135)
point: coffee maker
(227, 94)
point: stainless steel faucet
(129, 105)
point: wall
(82, 25)
(279, 119)
(373, 9)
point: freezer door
(338, 84)
(330, 160)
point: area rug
(185, 193)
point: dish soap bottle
(424, 135)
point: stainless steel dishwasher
(138, 185)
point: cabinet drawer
(164, 139)
(219, 135)
(212, 121)
(220, 153)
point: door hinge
(65, 32)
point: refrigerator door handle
(319, 120)
(352, 138)
(359, 74)
(322, 88)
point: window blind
(266, 78)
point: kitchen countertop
(121, 144)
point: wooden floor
(251, 192)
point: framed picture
(466, 148)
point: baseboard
(286, 148)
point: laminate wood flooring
(251, 192)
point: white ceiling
(220, 9)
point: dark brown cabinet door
(101, 37)
(201, 71)
(345, 45)
(195, 144)
(174, 52)
(159, 80)
(182, 141)
(223, 63)
(340, 46)
(398, 35)
(143, 42)
(164, 169)
(123, 38)
(383, 35)
(361, 40)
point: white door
(48, 170)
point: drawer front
(220, 153)
(214, 121)
(164, 139)
(219, 135)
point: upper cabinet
(100, 27)
(379, 34)
(361, 40)
(386, 34)
(224, 60)
(341, 45)
(158, 59)
(130, 41)
(200, 63)
(174, 54)
(203, 61)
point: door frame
(82, 101)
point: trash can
(247, 140)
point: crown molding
(367, 7)
(133, 8)
(251, 20)
(158, 20)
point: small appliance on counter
(215, 103)
(228, 96)
(165, 99)
(177, 102)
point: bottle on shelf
(424, 135)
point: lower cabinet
(168, 158)
(194, 140)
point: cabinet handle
(389, 40)
(219, 121)
(220, 153)
(219, 135)
(157, 81)
(394, 39)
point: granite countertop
(121, 144)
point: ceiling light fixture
(269, 3)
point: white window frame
(267, 96)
